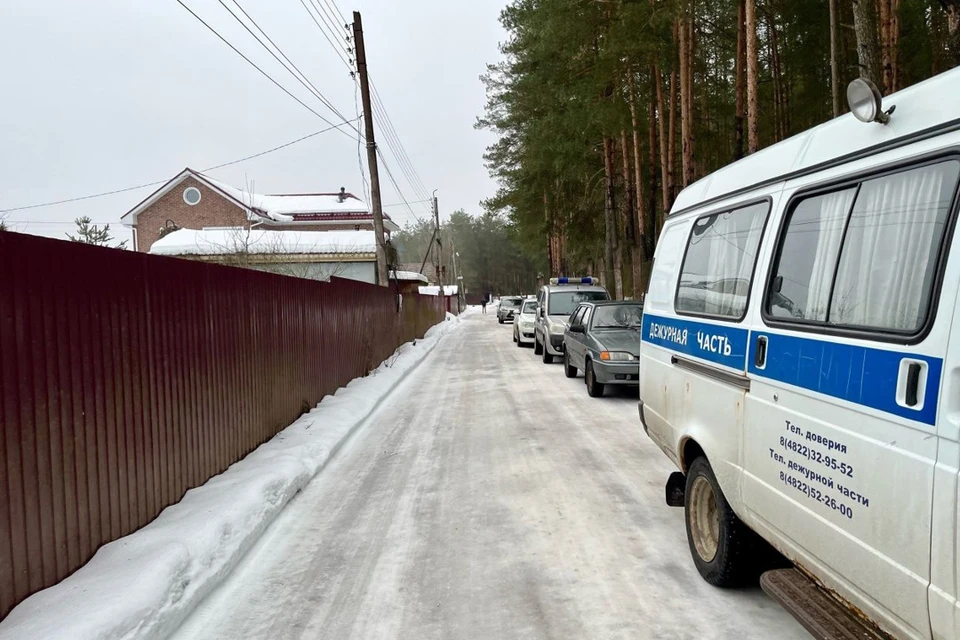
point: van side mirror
(577, 328)
(777, 284)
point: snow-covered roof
(294, 208)
(408, 275)
(434, 290)
(925, 105)
(223, 241)
(281, 206)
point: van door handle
(913, 384)
(760, 356)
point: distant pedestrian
(483, 304)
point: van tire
(537, 347)
(568, 370)
(738, 551)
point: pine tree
(89, 233)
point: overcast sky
(103, 95)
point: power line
(396, 148)
(325, 34)
(159, 182)
(379, 101)
(383, 120)
(254, 65)
(339, 13)
(302, 78)
(396, 187)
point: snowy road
(488, 498)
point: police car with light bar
(555, 303)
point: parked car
(508, 308)
(603, 341)
(555, 302)
(523, 324)
(800, 365)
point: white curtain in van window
(833, 215)
(733, 252)
(890, 250)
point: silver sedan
(603, 341)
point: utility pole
(376, 206)
(438, 260)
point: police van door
(944, 535)
(845, 365)
(693, 373)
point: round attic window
(191, 195)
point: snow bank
(145, 584)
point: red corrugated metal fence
(126, 379)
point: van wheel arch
(690, 450)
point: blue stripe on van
(862, 375)
(718, 343)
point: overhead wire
(327, 36)
(159, 182)
(255, 66)
(335, 7)
(396, 147)
(294, 71)
(324, 11)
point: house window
(191, 195)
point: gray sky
(103, 95)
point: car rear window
(562, 303)
(618, 316)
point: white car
(523, 329)
(555, 303)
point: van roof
(923, 109)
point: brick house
(192, 200)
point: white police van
(799, 366)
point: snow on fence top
(434, 290)
(231, 240)
(408, 275)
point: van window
(810, 249)
(718, 267)
(866, 258)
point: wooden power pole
(376, 206)
(438, 256)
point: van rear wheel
(726, 552)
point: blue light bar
(568, 280)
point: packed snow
(230, 240)
(145, 584)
